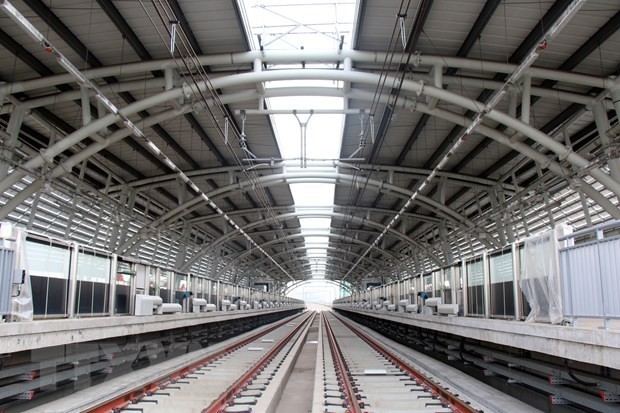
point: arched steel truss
(564, 162)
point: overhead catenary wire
(368, 127)
(35, 34)
(190, 63)
(497, 96)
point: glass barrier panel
(93, 284)
(164, 285)
(475, 288)
(180, 287)
(197, 287)
(448, 276)
(427, 279)
(213, 293)
(124, 278)
(437, 283)
(153, 281)
(501, 275)
(49, 277)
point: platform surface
(586, 343)
(36, 334)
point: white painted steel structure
(499, 130)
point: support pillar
(499, 224)
(615, 96)
(526, 99)
(513, 96)
(86, 114)
(171, 80)
(447, 250)
(602, 126)
(437, 74)
(182, 253)
(101, 112)
(11, 140)
(260, 86)
(348, 65)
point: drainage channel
(358, 375)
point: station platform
(587, 344)
(22, 336)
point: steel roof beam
(63, 31)
(306, 248)
(128, 34)
(420, 17)
(472, 37)
(466, 180)
(123, 27)
(526, 45)
(411, 86)
(288, 57)
(344, 216)
(333, 269)
(586, 49)
(289, 209)
(245, 254)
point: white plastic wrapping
(21, 305)
(540, 278)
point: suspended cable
(34, 33)
(190, 61)
(497, 96)
(351, 207)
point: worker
(423, 296)
(186, 301)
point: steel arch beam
(366, 78)
(251, 78)
(311, 56)
(313, 214)
(252, 94)
(235, 262)
(271, 232)
(309, 248)
(288, 209)
(462, 179)
(527, 130)
(311, 74)
(310, 234)
(316, 177)
(305, 177)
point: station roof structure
(344, 140)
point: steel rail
(456, 404)
(353, 405)
(134, 394)
(219, 405)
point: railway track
(360, 376)
(231, 380)
(353, 374)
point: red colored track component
(354, 405)
(136, 393)
(445, 396)
(220, 404)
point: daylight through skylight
(296, 25)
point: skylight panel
(305, 25)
